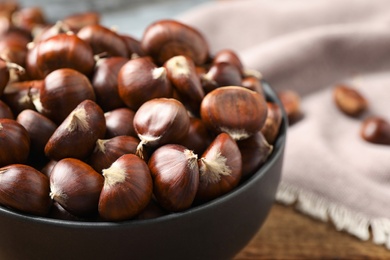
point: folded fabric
(308, 46)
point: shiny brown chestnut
(14, 142)
(375, 129)
(220, 168)
(13, 48)
(175, 176)
(349, 100)
(165, 39)
(64, 50)
(160, 121)
(198, 137)
(120, 122)
(76, 136)
(271, 127)
(254, 153)
(105, 82)
(222, 74)
(28, 17)
(5, 111)
(182, 73)
(62, 91)
(140, 80)
(106, 151)
(77, 21)
(5, 68)
(19, 95)
(235, 110)
(229, 56)
(39, 128)
(127, 189)
(76, 186)
(103, 40)
(253, 83)
(24, 189)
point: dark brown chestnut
(133, 46)
(5, 111)
(235, 110)
(19, 95)
(14, 142)
(165, 39)
(220, 168)
(127, 188)
(175, 176)
(160, 121)
(105, 82)
(24, 189)
(229, 56)
(76, 186)
(140, 80)
(5, 68)
(376, 130)
(254, 153)
(13, 48)
(39, 128)
(182, 73)
(77, 21)
(103, 40)
(77, 135)
(64, 50)
(62, 91)
(108, 150)
(120, 122)
(291, 102)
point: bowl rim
(277, 152)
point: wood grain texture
(288, 234)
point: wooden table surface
(288, 234)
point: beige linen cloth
(309, 46)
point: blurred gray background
(128, 16)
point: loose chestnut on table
(144, 159)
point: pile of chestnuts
(96, 125)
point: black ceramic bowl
(215, 230)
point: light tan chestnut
(175, 175)
(14, 142)
(165, 39)
(25, 189)
(77, 135)
(76, 186)
(220, 168)
(127, 188)
(182, 73)
(108, 150)
(235, 110)
(254, 152)
(160, 121)
(140, 80)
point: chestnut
(254, 153)
(375, 129)
(19, 95)
(105, 82)
(229, 56)
(77, 134)
(60, 51)
(253, 83)
(133, 46)
(5, 68)
(61, 92)
(222, 74)
(235, 110)
(271, 127)
(175, 176)
(76, 186)
(102, 39)
(349, 100)
(166, 38)
(291, 102)
(77, 21)
(120, 122)
(14, 142)
(220, 168)
(28, 17)
(24, 189)
(182, 73)
(108, 150)
(160, 121)
(140, 80)
(127, 189)
(13, 47)
(39, 128)
(5, 111)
